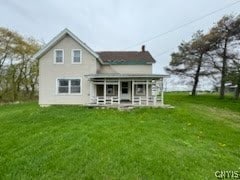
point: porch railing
(142, 100)
(100, 100)
(138, 100)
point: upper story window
(58, 56)
(76, 56)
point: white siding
(127, 69)
(49, 72)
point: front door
(125, 91)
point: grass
(200, 136)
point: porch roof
(118, 75)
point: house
(70, 72)
(229, 87)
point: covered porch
(132, 90)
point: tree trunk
(237, 92)
(14, 84)
(196, 78)
(27, 89)
(14, 93)
(224, 70)
(32, 91)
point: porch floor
(125, 105)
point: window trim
(72, 56)
(54, 56)
(69, 88)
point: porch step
(125, 108)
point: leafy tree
(226, 32)
(192, 59)
(8, 43)
(18, 72)
(28, 66)
(234, 75)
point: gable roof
(104, 57)
(126, 57)
(59, 37)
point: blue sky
(115, 24)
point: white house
(70, 72)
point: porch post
(118, 91)
(162, 98)
(155, 94)
(133, 92)
(105, 91)
(91, 90)
(147, 92)
(162, 92)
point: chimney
(143, 48)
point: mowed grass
(200, 136)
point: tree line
(211, 54)
(18, 71)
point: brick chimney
(143, 48)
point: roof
(118, 75)
(104, 57)
(126, 57)
(59, 37)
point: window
(124, 90)
(69, 86)
(125, 87)
(63, 86)
(76, 56)
(110, 90)
(75, 86)
(140, 89)
(58, 56)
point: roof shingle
(126, 57)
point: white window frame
(69, 87)
(72, 56)
(54, 56)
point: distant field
(200, 136)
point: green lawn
(192, 141)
